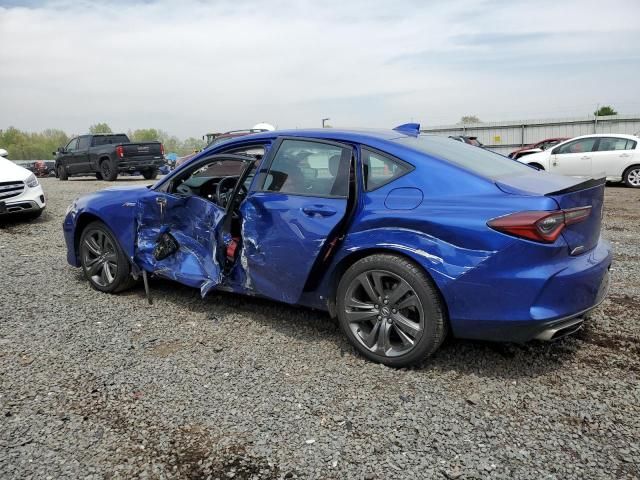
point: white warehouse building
(504, 137)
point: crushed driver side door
(177, 235)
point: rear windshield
(109, 139)
(478, 160)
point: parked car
(613, 156)
(212, 138)
(468, 140)
(44, 168)
(20, 191)
(404, 237)
(536, 147)
(107, 155)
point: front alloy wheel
(390, 310)
(103, 262)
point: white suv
(20, 191)
(614, 156)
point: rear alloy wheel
(62, 173)
(150, 174)
(108, 171)
(390, 310)
(632, 177)
(103, 262)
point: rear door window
(303, 167)
(610, 144)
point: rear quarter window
(478, 160)
(380, 169)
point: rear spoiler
(591, 183)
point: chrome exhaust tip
(560, 330)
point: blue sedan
(404, 237)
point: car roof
(619, 135)
(353, 135)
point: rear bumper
(132, 165)
(539, 306)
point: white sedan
(614, 156)
(20, 191)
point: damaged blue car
(404, 237)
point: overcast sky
(189, 67)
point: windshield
(478, 160)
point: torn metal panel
(188, 224)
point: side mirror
(60, 149)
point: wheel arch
(350, 259)
(626, 170)
(84, 219)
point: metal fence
(504, 137)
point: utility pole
(324, 120)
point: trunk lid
(568, 193)
(143, 149)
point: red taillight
(540, 226)
(120, 151)
(161, 149)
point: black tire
(62, 173)
(150, 174)
(108, 170)
(99, 175)
(111, 252)
(432, 321)
(536, 165)
(631, 176)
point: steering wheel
(223, 196)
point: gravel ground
(101, 386)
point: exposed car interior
(298, 168)
(216, 180)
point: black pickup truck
(107, 155)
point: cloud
(195, 66)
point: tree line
(23, 145)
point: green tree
(468, 119)
(604, 111)
(100, 128)
(23, 145)
(145, 135)
(190, 145)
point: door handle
(318, 210)
(586, 158)
(624, 155)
